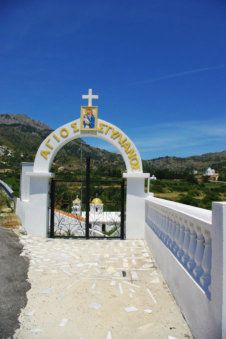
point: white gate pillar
(135, 204)
(37, 211)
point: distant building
(100, 221)
(4, 149)
(153, 177)
(6, 170)
(76, 206)
(211, 174)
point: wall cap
(40, 174)
(136, 175)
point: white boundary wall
(189, 246)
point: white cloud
(180, 138)
(178, 74)
(174, 137)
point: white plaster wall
(135, 205)
(25, 180)
(36, 209)
(20, 210)
(219, 263)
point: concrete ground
(13, 283)
(94, 289)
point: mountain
(22, 119)
(23, 135)
(198, 162)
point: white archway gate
(32, 207)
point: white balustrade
(188, 244)
(188, 238)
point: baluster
(177, 235)
(161, 225)
(169, 241)
(192, 248)
(154, 221)
(166, 229)
(174, 231)
(180, 252)
(205, 279)
(152, 218)
(198, 271)
(185, 256)
(150, 210)
(158, 224)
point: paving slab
(87, 289)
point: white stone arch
(32, 207)
(71, 131)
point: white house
(212, 174)
(153, 177)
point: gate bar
(52, 208)
(122, 208)
(87, 195)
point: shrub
(188, 199)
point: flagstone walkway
(89, 289)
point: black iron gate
(87, 209)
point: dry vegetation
(7, 217)
(10, 220)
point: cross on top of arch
(90, 97)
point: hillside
(23, 135)
(22, 119)
(199, 162)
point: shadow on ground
(13, 282)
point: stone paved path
(96, 289)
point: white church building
(101, 221)
(210, 172)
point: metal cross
(90, 97)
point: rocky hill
(199, 162)
(23, 135)
(22, 119)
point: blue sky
(158, 66)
